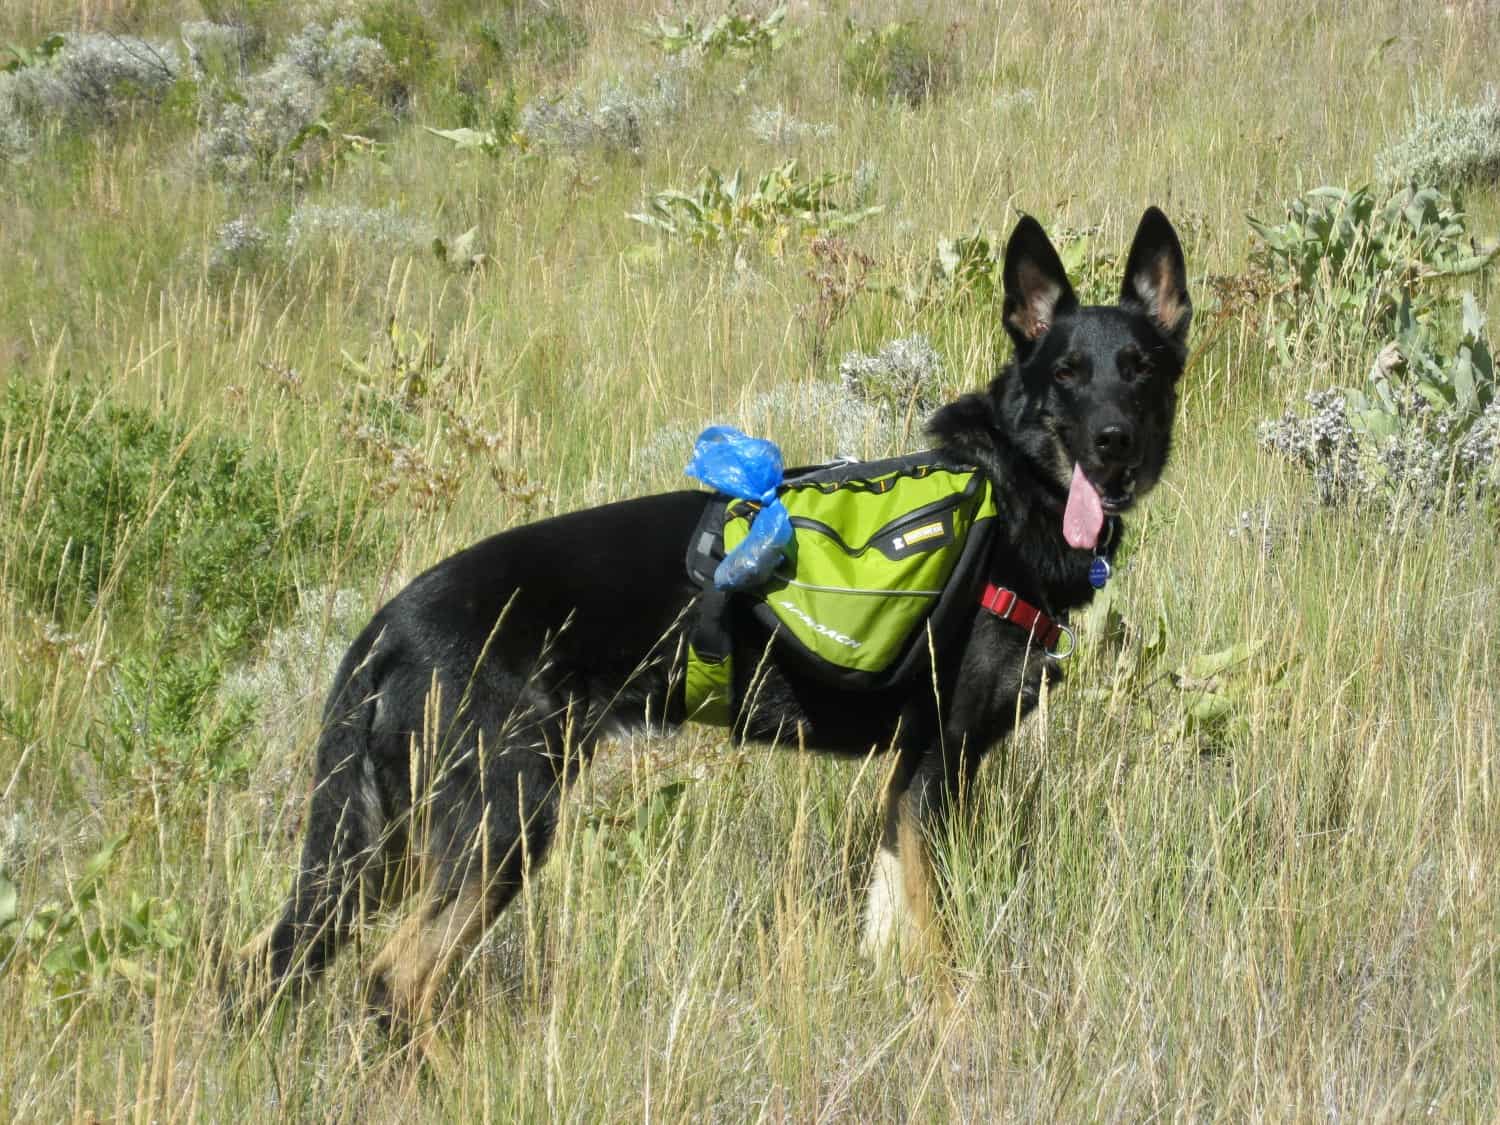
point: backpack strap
(708, 676)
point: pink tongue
(1084, 516)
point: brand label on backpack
(817, 626)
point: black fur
(482, 688)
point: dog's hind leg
(476, 856)
(341, 874)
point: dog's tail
(342, 871)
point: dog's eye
(1135, 370)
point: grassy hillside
(300, 298)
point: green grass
(1292, 916)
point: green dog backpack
(881, 552)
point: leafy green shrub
(136, 504)
(85, 941)
(902, 62)
(165, 707)
(407, 42)
(1451, 148)
(1377, 275)
(194, 543)
(727, 212)
(971, 267)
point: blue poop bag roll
(749, 469)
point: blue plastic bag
(750, 469)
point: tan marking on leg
(917, 888)
(900, 919)
(258, 948)
(413, 963)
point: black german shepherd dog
(470, 700)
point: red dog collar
(1007, 605)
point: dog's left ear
(1156, 276)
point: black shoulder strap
(705, 547)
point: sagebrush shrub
(776, 126)
(905, 376)
(1450, 148)
(95, 76)
(219, 49)
(240, 246)
(385, 227)
(332, 72)
(15, 132)
(619, 118)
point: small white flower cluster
(1448, 149)
(238, 245)
(1421, 467)
(1322, 442)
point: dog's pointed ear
(1156, 276)
(1036, 284)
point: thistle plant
(731, 33)
(729, 212)
(1347, 254)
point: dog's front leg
(901, 911)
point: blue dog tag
(1099, 572)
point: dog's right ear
(1036, 285)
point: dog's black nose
(1115, 444)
